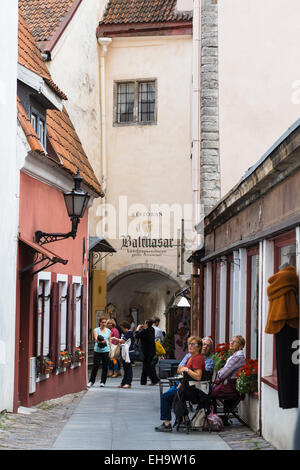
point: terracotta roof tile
(143, 11)
(66, 144)
(44, 16)
(68, 151)
(30, 57)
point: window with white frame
(63, 280)
(38, 123)
(135, 102)
(77, 326)
(43, 320)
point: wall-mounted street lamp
(76, 203)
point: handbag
(160, 350)
(198, 419)
(114, 351)
(213, 422)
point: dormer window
(39, 125)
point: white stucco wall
(259, 73)
(75, 69)
(9, 192)
(150, 164)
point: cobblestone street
(39, 427)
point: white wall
(8, 194)
(259, 73)
(75, 69)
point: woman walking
(113, 364)
(145, 333)
(101, 352)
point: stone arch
(149, 288)
(116, 276)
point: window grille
(125, 102)
(146, 101)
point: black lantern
(76, 203)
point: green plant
(168, 344)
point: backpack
(213, 422)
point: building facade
(52, 268)
(9, 197)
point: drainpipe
(196, 119)
(104, 43)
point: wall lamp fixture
(76, 203)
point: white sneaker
(90, 384)
(102, 384)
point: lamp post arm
(43, 237)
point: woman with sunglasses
(194, 368)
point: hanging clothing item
(282, 293)
(287, 371)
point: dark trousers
(166, 401)
(287, 372)
(127, 378)
(98, 358)
(148, 371)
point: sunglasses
(193, 344)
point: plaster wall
(149, 164)
(75, 68)
(9, 196)
(259, 74)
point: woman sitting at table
(194, 368)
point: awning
(41, 255)
(100, 245)
(196, 256)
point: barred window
(125, 102)
(135, 102)
(146, 101)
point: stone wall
(210, 160)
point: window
(146, 101)
(77, 323)
(39, 125)
(215, 302)
(252, 303)
(284, 253)
(42, 338)
(135, 102)
(63, 279)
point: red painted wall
(42, 208)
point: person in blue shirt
(207, 345)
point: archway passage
(144, 289)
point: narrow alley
(112, 419)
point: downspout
(196, 121)
(104, 43)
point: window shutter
(73, 341)
(55, 323)
(70, 317)
(83, 342)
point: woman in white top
(101, 352)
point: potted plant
(48, 365)
(65, 358)
(78, 354)
(222, 353)
(247, 377)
